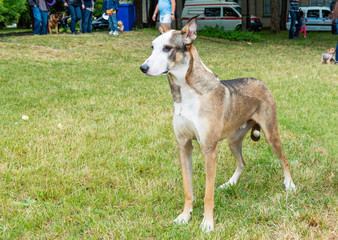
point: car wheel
(238, 28)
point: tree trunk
(275, 20)
(283, 15)
(151, 12)
(246, 16)
(138, 8)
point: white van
(217, 12)
(317, 18)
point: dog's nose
(144, 68)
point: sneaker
(111, 32)
(75, 33)
(115, 33)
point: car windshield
(239, 9)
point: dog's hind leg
(235, 144)
(185, 152)
(268, 123)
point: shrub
(233, 35)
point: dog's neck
(194, 74)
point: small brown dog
(120, 26)
(329, 56)
(53, 22)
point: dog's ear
(163, 28)
(189, 31)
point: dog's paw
(289, 185)
(182, 219)
(207, 225)
(226, 185)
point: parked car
(317, 18)
(211, 13)
(100, 23)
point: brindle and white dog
(209, 110)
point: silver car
(317, 18)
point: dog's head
(170, 50)
(57, 16)
(331, 50)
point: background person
(334, 16)
(74, 8)
(167, 12)
(303, 21)
(40, 13)
(294, 29)
(110, 8)
(87, 15)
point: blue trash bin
(126, 14)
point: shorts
(165, 18)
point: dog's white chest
(186, 116)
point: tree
(275, 20)
(10, 11)
(283, 15)
(151, 12)
(139, 12)
(25, 18)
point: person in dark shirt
(74, 8)
(87, 16)
(40, 13)
(294, 29)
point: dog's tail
(255, 132)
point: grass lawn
(97, 157)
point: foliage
(234, 35)
(10, 10)
(98, 9)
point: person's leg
(165, 21)
(337, 42)
(44, 16)
(292, 24)
(115, 27)
(72, 23)
(85, 18)
(78, 13)
(305, 31)
(90, 19)
(301, 30)
(37, 20)
(110, 21)
(297, 27)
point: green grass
(14, 30)
(97, 158)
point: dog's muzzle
(144, 68)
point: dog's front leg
(210, 157)
(185, 150)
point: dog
(120, 26)
(209, 110)
(53, 22)
(329, 56)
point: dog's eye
(167, 48)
